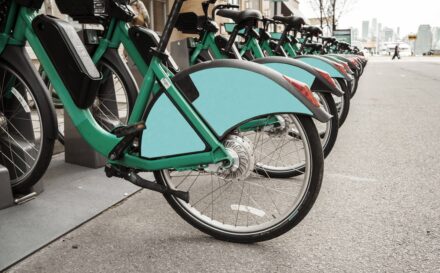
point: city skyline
(392, 14)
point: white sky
(407, 15)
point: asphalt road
(378, 211)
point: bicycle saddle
(241, 17)
(294, 22)
(314, 46)
(307, 29)
(329, 39)
(316, 31)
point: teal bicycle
(209, 46)
(184, 127)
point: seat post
(232, 38)
(282, 39)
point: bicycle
(319, 81)
(286, 44)
(183, 128)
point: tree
(331, 11)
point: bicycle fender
(247, 90)
(226, 94)
(18, 58)
(111, 55)
(324, 64)
(301, 71)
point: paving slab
(72, 196)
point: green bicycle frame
(252, 46)
(290, 49)
(207, 42)
(20, 23)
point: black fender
(112, 56)
(18, 59)
(320, 84)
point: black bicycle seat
(307, 29)
(241, 17)
(294, 22)
(316, 31)
(314, 46)
(328, 39)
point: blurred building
(436, 38)
(424, 40)
(354, 34)
(388, 35)
(373, 33)
(365, 30)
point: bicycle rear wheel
(26, 120)
(244, 206)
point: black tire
(48, 123)
(287, 223)
(327, 147)
(355, 88)
(127, 80)
(356, 85)
(347, 98)
(334, 124)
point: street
(378, 210)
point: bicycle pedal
(128, 134)
(129, 130)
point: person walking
(396, 52)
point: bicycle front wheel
(26, 118)
(245, 206)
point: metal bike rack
(7, 197)
(77, 150)
(180, 53)
(22, 149)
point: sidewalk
(378, 210)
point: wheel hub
(242, 152)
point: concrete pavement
(378, 211)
